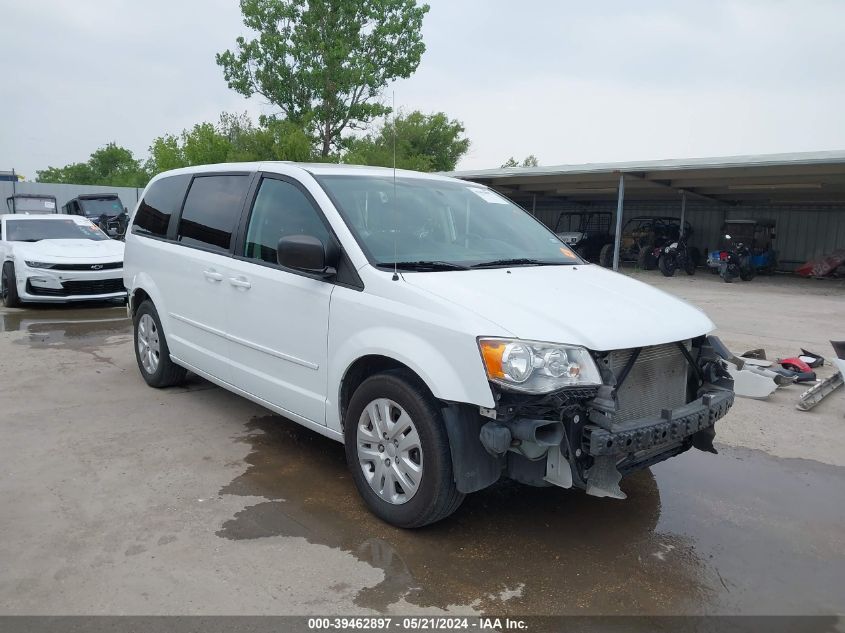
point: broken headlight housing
(536, 367)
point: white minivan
(439, 331)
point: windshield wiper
(519, 261)
(423, 265)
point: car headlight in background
(535, 367)
(39, 264)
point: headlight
(534, 367)
(39, 264)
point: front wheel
(689, 265)
(398, 451)
(8, 286)
(667, 263)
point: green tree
(424, 142)
(529, 161)
(111, 165)
(235, 138)
(325, 63)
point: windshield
(37, 230)
(95, 207)
(32, 205)
(442, 223)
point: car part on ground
(795, 364)
(749, 383)
(819, 392)
(823, 389)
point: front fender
(456, 377)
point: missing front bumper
(636, 444)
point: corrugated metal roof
(797, 177)
(833, 157)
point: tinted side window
(280, 209)
(162, 200)
(211, 211)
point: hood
(63, 250)
(582, 305)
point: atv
(585, 232)
(643, 239)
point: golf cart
(31, 203)
(755, 235)
(643, 238)
(585, 232)
(105, 210)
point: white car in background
(58, 259)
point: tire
(667, 265)
(9, 286)
(435, 496)
(747, 274)
(155, 366)
(606, 256)
(689, 265)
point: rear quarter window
(161, 202)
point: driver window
(280, 210)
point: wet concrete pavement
(122, 499)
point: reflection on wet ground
(71, 326)
(735, 533)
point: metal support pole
(617, 238)
(683, 212)
(534, 205)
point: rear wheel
(606, 256)
(151, 349)
(398, 451)
(689, 264)
(8, 286)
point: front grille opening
(657, 380)
(79, 288)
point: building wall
(128, 195)
(802, 231)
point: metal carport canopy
(796, 178)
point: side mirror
(308, 254)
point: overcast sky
(571, 82)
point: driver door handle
(240, 282)
(212, 275)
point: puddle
(540, 551)
(72, 327)
(735, 533)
